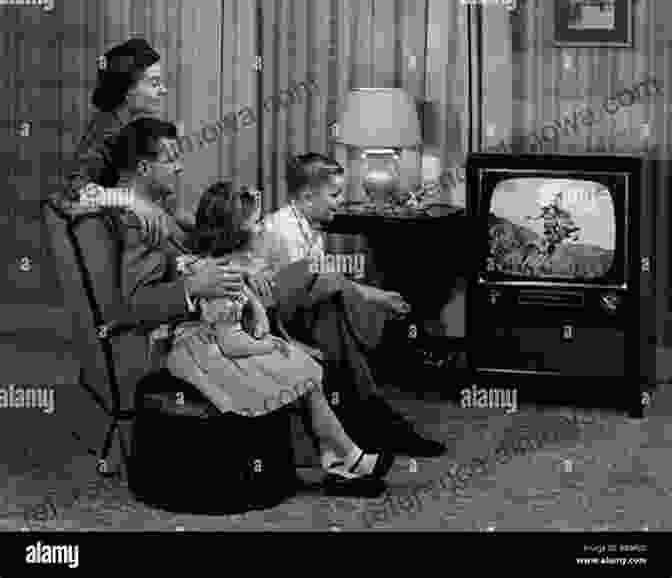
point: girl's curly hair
(220, 218)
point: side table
(422, 257)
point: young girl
(251, 375)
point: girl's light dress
(212, 355)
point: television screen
(554, 228)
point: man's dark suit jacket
(151, 287)
(150, 283)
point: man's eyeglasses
(156, 82)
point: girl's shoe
(380, 469)
(346, 483)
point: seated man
(342, 318)
(150, 283)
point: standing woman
(129, 86)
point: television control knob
(568, 332)
(494, 295)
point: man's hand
(261, 285)
(256, 323)
(260, 325)
(390, 300)
(213, 278)
(154, 221)
(395, 304)
(281, 345)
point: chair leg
(125, 453)
(102, 455)
(103, 466)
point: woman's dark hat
(119, 70)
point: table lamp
(380, 122)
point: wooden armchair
(111, 346)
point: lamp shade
(380, 118)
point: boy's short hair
(220, 217)
(311, 170)
(140, 140)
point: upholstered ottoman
(188, 457)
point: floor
(541, 469)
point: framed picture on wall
(593, 23)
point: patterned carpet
(539, 469)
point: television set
(562, 284)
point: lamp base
(381, 175)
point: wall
(549, 81)
(29, 156)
